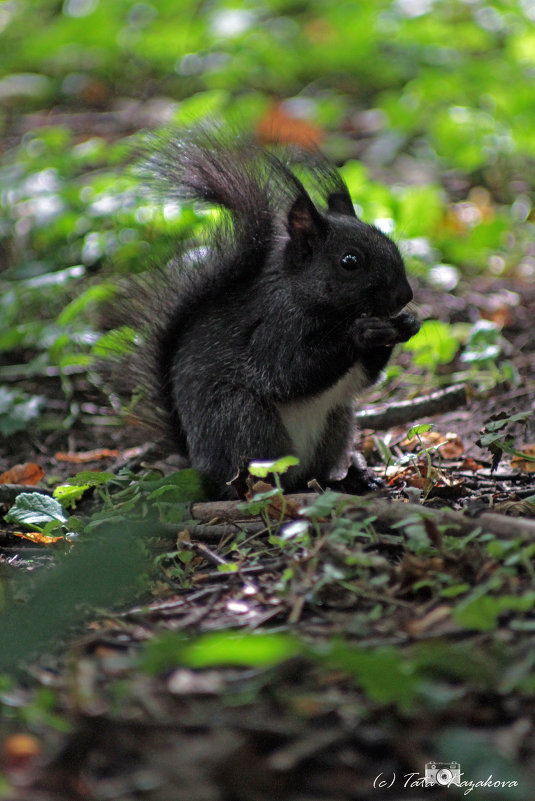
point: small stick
(202, 550)
(385, 416)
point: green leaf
(90, 478)
(260, 501)
(325, 504)
(17, 410)
(483, 613)
(33, 510)
(56, 279)
(279, 466)
(198, 106)
(68, 495)
(241, 649)
(230, 567)
(181, 487)
(420, 209)
(221, 648)
(434, 344)
(98, 572)
(454, 590)
(422, 428)
(385, 674)
(484, 342)
(356, 176)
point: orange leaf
(21, 746)
(87, 456)
(453, 448)
(279, 126)
(501, 317)
(519, 463)
(27, 473)
(279, 507)
(408, 474)
(38, 538)
(471, 464)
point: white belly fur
(305, 419)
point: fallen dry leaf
(501, 316)
(183, 536)
(515, 508)
(452, 446)
(405, 473)
(414, 568)
(471, 464)
(86, 456)
(38, 538)
(519, 463)
(320, 31)
(430, 621)
(21, 745)
(28, 473)
(280, 507)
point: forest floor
(333, 656)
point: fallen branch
(457, 523)
(387, 513)
(386, 416)
(219, 531)
(8, 492)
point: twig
(386, 416)
(219, 531)
(271, 564)
(201, 550)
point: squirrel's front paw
(375, 332)
(380, 332)
(407, 326)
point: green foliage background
(443, 90)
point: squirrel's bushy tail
(216, 167)
(226, 168)
(210, 165)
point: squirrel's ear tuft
(304, 221)
(341, 203)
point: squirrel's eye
(350, 261)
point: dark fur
(266, 315)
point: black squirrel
(259, 341)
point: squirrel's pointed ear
(340, 203)
(304, 221)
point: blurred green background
(428, 104)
